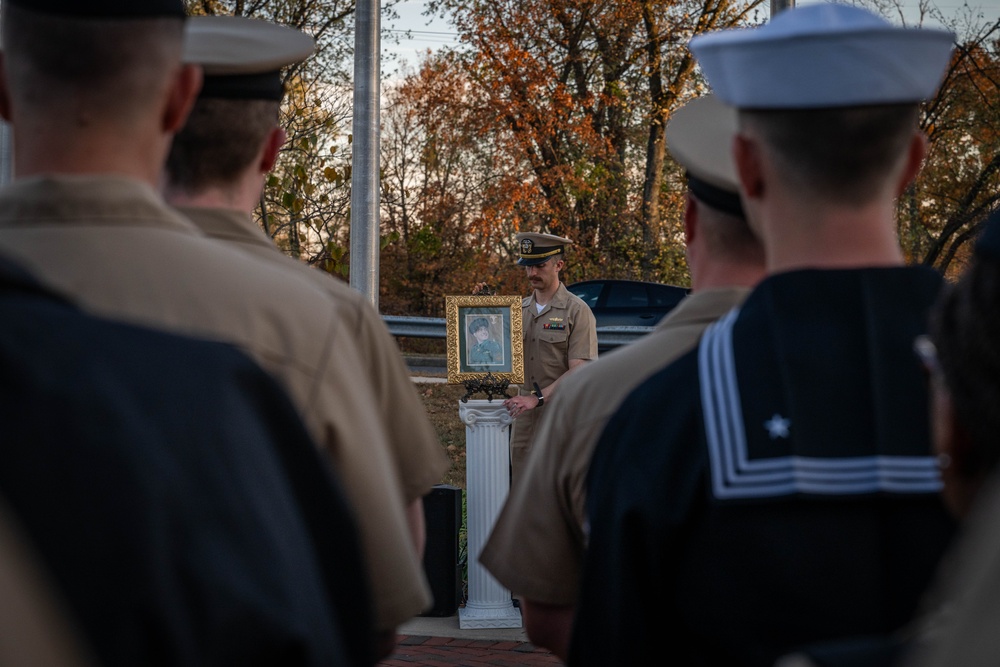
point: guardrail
(416, 327)
(435, 327)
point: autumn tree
(550, 116)
(578, 92)
(437, 163)
(959, 185)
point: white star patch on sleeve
(777, 426)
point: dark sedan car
(628, 302)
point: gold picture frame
(484, 338)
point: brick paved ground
(447, 652)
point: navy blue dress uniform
(767, 509)
(171, 491)
(774, 487)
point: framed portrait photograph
(484, 336)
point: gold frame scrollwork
(512, 306)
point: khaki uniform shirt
(111, 244)
(35, 628)
(962, 610)
(537, 545)
(564, 330)
(420, 462)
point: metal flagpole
(365, 168)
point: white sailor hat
(700, 137)
(537, 248)
(823, 56)
(242, 57)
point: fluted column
(487, 481)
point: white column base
(475, 617)
(487, 481)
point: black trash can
(443, 518)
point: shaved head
(221, 139)
(87, 71)
(844, 155)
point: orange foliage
(959, 185)
(574, 93)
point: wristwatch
(537, 392)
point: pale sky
(423, 35)
(434, 34)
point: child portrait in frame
(484, 336)
(482, 348)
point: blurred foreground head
(964, 364)
(92, 62)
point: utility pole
(365, 163)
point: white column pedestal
(487, 481)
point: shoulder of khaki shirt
(284, 323)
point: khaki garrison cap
(536, 248)
(700, 137)
(242, 57)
